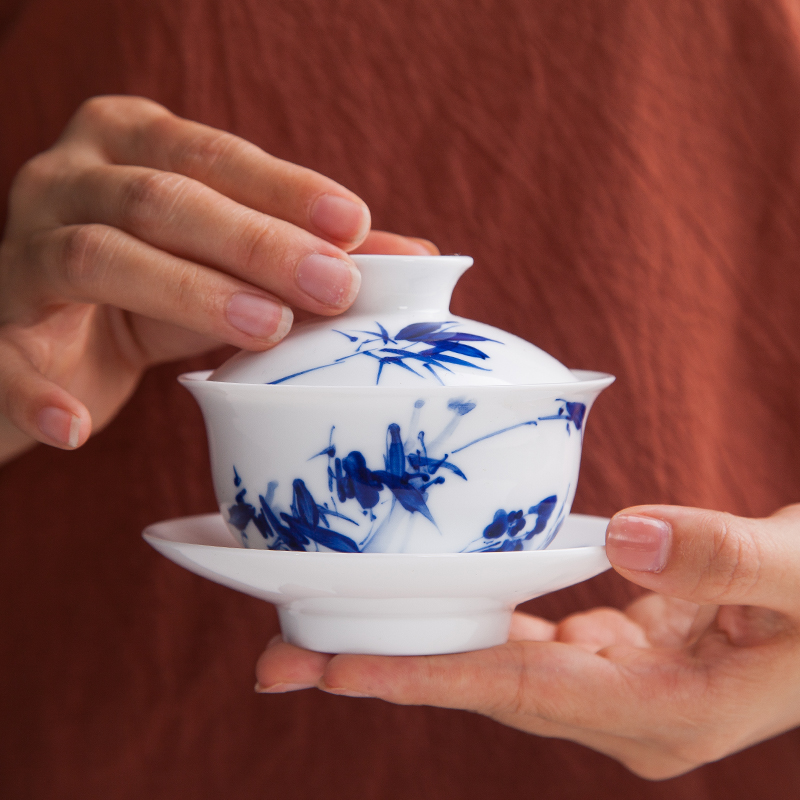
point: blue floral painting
(422, 348)
(508, 531)
(363, 499)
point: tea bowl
(396, 479)
(412, 469)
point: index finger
(136, 131)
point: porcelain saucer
(386, 604)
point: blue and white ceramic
(386, 604)
(396, 428)
(399, 332)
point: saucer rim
(149, 535)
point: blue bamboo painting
(364, 499)
(422, 348)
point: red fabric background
(625, 175)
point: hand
(140, 237)
(708, 665)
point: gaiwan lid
(399, 332)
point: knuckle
(518, 701)
(185, 290)
(693, 751)
(81, 254)
(94, 109)
(735, 562)
(659, 766)
(100, 110)
(254, 244)
(34, 180)
(36, 172)
(576, 626)
(518, 692)
(200, 151)
(510, 692)
(150, 196)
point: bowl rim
(589, 381)
(394, 258)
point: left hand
(706, 665)
(141, 237)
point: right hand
(704, 666)
(141, 237)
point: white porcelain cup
(427, 469)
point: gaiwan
(396, 427)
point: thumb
(709, 557)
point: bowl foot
(393, 630)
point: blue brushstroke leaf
(406, 494)
(462, 349)
(453, 336)
(303, 504)
(431, 465)
(417, 331)
(437, 357)
(240, 515)
(461, 407)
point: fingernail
(276, 639)
(343, 692)
(340, 218)
(280, 688)
(60, 426)
(259, 317)
(329, 280)
(426, 247)
(638, 543)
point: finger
(600, 628)
(745, 627)
(37, 406)
(708, 557)
(666, 621)
(387, 243)
(549, 683)
(136, 131)
(99, 264)
(190, 220)
(163, 342)
(525, 627)
(453, 681)
(283, 667)
(551, 689)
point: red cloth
(625, 175)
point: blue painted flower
(408, 477)
(355, 480)
(506, 531)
